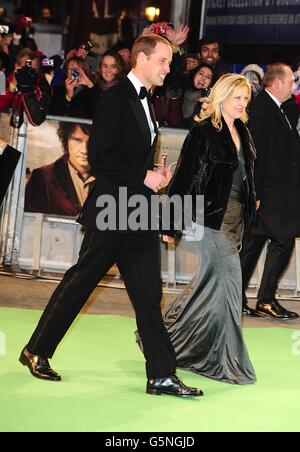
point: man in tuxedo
(277, 180)
(121, 155)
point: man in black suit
(277, 179)
(121, 154)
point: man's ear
(277, 83)
(142, 57)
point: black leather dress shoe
(39, 367)
(272, 308)
(249, 312)
(171, 385)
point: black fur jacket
(205, 167)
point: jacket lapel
(223, 148)
(276, 109)
(246, 140)
(139, 113)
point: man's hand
(257, 205)
(155, 180)
(166, 172)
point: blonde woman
(216, 161)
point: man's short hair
(146, 44)
(274, 71)
(210, 40)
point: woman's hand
(70, 84)
(83, 79)
(168, 239)
(178, 35)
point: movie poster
(58, 176)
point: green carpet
(103, 387)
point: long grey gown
(204, 322)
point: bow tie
(144, 93)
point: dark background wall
(78, 15)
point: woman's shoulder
(203, 128)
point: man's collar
(135, 81)
(278, 103)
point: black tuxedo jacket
(277, 169)
(120, 150)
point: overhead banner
(256, 21)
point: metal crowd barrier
(47, 245)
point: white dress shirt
(138, 85)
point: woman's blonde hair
(226, 87)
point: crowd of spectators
(39, 85)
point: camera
(26, 77)
(205, 92)
(161, 28)
(47, 65)
(87, 46)
(4, 29)
(23, 21)
(74, 74)
(46, 62)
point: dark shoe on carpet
(272, 308)
(249, 312)
(171, 385)
(39, 367)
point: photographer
(111, 70)
(77, 76)
(27, 91)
